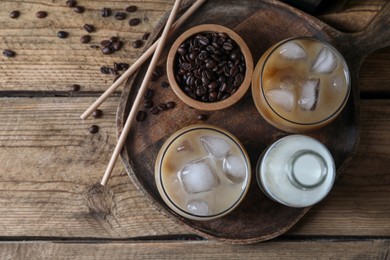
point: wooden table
(51, 203)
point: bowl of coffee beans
(209, 67)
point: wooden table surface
(51, 203)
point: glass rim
(345, 66)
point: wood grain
(50, 165)
(316, 249)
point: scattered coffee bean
(98, 113)
(171, 104)
(121, 66)
(137, 44)
(105, 43)
(131, 9)
(75, 87)
(145, 36)
(141, 116)
(120, 16)
(164, 84)
(162, 107)
(113, 71)
(202, 117)
(89, 27)
(107, 50)
(106, 12)
(105, 70)
(62, 34)
(209, 67)
(41, 14)
(85, 39)
(114, 39)
(79, 9)
(149, 93)
(94, 129)
(155, 111)
(14, 14)
(134, 21)
(9, 53)
(71, 3)
(148, 103)
(117, 45)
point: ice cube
(198, 207)
(292, 50)
(198, 176)
(234, 168)
(184, 146)
(309, 94)
(337, 83)
(216, 146)
(325, 62)
(282, 97)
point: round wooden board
(260, 24)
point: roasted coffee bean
(98, 113)
(149, 93)
(9, 53)
(145, 36)
(93, 129)
(106, 12)
(41, 14)
(171, 105)
(89, 27)
(202, 117)
(113, 71)
(148, 103)
(105, 70)
(202, 39)
(85, 39)
(105, 43)
(62, 34)
(137, 44)
(134, 21)
(131, 9)
(107, 50)
(164, 84)
(75, 87)
(114, 39)
(120, 16)
(79, 9)
(14, 14)
(141, 116)
(117, 45)
(71, 3)
(162, 107)
(155, 111)
(227, 46)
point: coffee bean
(134, 21)
(14, 14)
(79, 9)
(89, 27)
(162, 107)
(155, 111)
(131, 9)
(148, 103)
(117, 45)
(98, 113)
(171, 105)
(202, 40)
(62, 34)
(149, 93)
(137, 44)
(145, 36)
(106, 12)
(41, 14)
(164, 84)
(120, 16)
(85, 39)
(107, 50)
(75, 87)
(228, 46)
(105, 70)
(105, 43)
(202, 117)
(9, 53)
(141, 116)
(71, 3)
(93, 129)
(121, 66)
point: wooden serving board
(260, 24)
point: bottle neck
(306, 169)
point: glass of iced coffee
(202, 172)
(301, 84)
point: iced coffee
(301, 84)
(202, 172)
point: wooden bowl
(208, 106)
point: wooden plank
(51, 166)
(46, 63)
(317, 249)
